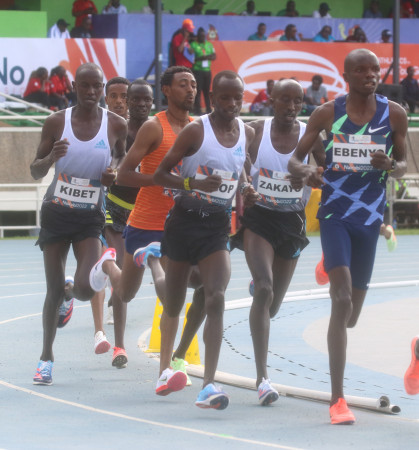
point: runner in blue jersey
(365, 143)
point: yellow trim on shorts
(119, 202)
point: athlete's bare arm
(51, 149)
(148, 139)
(398, 123)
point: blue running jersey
(354, 191)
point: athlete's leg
(55, 256)
(215, 271)
(96, 303)
(283, 270)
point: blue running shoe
(267, 394)
(252, 288)
(141, 254)
(212, 397)
(66, 309)
(43, 373)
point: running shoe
(98, 278)
(392, 240)
(109, 317)
(321, 275)
(212, 397)
(252, 288)
(340, 414)
(119, 358)
(102, 345)
(141, 254)
(267, 394)
(170, 381)
(179, 364)
(43, 373)
(411, 377)
(65, 311)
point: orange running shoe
(321, 275)
(340, 414)
(411, 377)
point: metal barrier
(408, 194)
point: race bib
(226, 191)
(352, 152)
(169, 192)
(275, 190)
(79, 193)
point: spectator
(83, 31)
(114, 7)
(196, 8)
(56, 91)
(322, 12)
(260, 34)
(38, 88)
(315, 94)
(204, 54)
(385, 37)
(61, 85)
(180, 48)
(59, 30)
(357, 36)
(410, 89)
(290, 33)
(149, 9)
(250, 9)
(373, 11)
(81, 9)
(324, 35)
(261, 105)
(289, 11)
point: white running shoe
(267, 394)
(102, 345)
(170, 381)
(109, 317)
(98, 278)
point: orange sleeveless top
(151, 205)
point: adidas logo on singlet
(101, 144)
(238, 152)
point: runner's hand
(379, 160)
(108, 177)
(250, 196)
(59, 150)
(209, 184)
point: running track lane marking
(148, 422)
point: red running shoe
(411, 377)
(340, 414)
(321, 275)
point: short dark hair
(139, 82)
(168, 75)
(115, 80)
(289, 26)
(261, 25)
(88, 66)
(229, 74)
(318, 78)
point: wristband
(393, 166)
(186, 184)
(243, 187)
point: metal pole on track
(396, 41)
(157, 53)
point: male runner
(79, 141)
(366, 142)
(213, 152)
(273, 232)
(146, 221)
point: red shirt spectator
(35, 85)
(81, 9)
(180, 44)
(56, 85)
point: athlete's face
(287, 101)
(363, 73)
(182, 91)
(140, 101)
(227, 97)
(116, 99)
(88, 87)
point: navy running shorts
(116, 216)
(351, 245)
(136, 238)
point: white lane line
(145, 421)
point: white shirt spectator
(121, 9)
(317, 15)
(55, 32)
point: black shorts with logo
(193, 235)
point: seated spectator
(250, 9)
(357, 36)
(196, 8)
(61, 86)
(289, 11)
(38, 88)
(59, 30)
(411, 89)
(322, 12)
(315, 94)
(324, 35)
(261, 105)
(149, 9)
(260, 34)
(180, 48)
(385, 37)
(83, 31)
(290, 33)
(373, 11)
(114, 7)
(81, 9)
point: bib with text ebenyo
(276, 190)
(224, 194)
(79, 193)
(352, 152)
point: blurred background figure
(322, 12)
(81, 9)
(316, 94)
(357, 36)
(114, 7)
(59, 30)
(261, 105)
(324, 35)
(250, 9)
(410, 89)
(260, 34)
(385, 37)
(38, 88)
(289, 10)
(373, 11)
(196, 8)
(84, 30)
